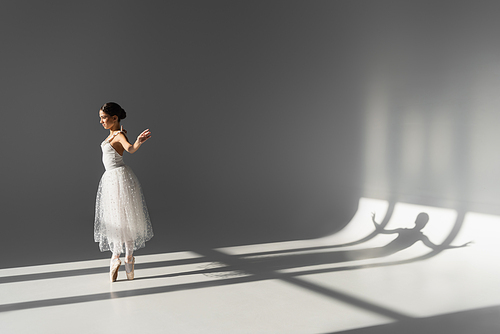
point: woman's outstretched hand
(145, 135)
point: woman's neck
(114, 128)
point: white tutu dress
(121, 215)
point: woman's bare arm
(131, 148)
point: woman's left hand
(145, 135)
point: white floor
(190, 292)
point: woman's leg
(129, 251)
(117, 251)
(115, 262)
(130, 260)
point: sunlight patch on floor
(318, 288)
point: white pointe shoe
(113, 270)
(129, 269)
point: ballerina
(122, 222)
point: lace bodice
(110, 158)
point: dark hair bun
(114, 109)
(123, 114)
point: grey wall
(270, 119)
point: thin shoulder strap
(114, 135)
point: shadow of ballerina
(240, 266)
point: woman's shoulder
(121, 135)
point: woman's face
(106, 120)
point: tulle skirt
(121, 216)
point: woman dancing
(122, 221)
